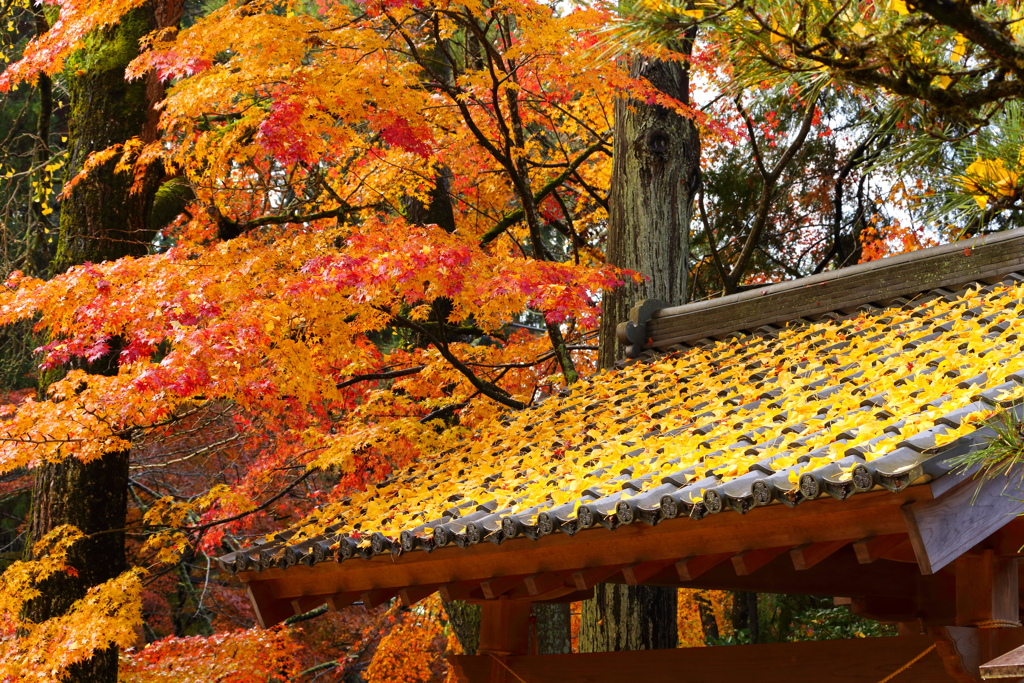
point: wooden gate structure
(799, 438)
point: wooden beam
(749, 561)
(636, 574)
(498, 586)
(574, 596)
(809, 554)
(874, 548)
(585, 579)
(910, 609)
(943, 529)
(986, 590)
(694, 566)
(411, 595)
(837, 661)
(378, 596)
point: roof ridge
(982, 258)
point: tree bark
(101, 219)
(553, 628)
(708, 623)
(465, 622)
(655, 173)
(623, 617)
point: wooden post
(987, 614)
(986, 590)
(504, 632)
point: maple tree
(279, 307)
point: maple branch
(311, 614)
(228, 229)
(267, 503)
(486, 388)
(444, 412)
(454, 94)
(372, 376)
(537, 361)
(514, 217)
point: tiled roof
(878, 397)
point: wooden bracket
(461, 590)
(410, 595)
(498, 586)
(809, 554)
(585, 579)
(945, 528)
(873, 548)
(378, 596)
(269, 610)
(636, 574)
(343, 599)
(691, 567)
(748, 562)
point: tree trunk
(101, 219)
(708, 623)
(464, 619)
(629, 618)
(553, 628)
(744, 614)
(655, 173)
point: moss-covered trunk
(101, 219)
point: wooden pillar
(986, 590)
(987, 615)
(504, 632)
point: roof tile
(881, 397)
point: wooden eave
(875, 546)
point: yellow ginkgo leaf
(985, 178)
(959, 52)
